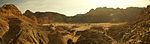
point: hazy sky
(72, 7)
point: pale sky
(72, 7)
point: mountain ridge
(98, 15)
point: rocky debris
(141, 29)
(93, 37)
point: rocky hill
(46, 17)
(109, 15)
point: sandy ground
(84, 26)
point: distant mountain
(110, 15)
(98, 15)
(46, 17)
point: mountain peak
(9, 6)
(28, 11)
